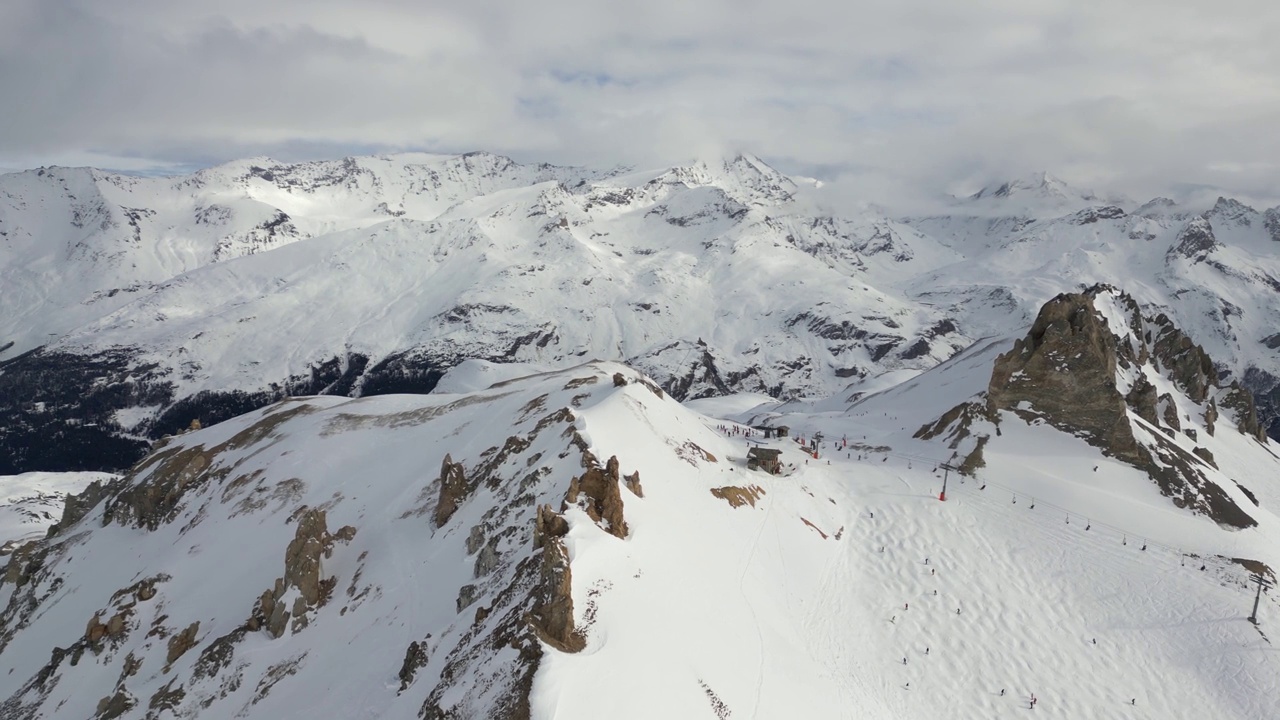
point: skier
(1001, 692)
(926, 649)
(904, 606)
(904, 661)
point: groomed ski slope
(777, 621)
(807, 604)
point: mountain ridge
(155, 301)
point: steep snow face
(463, 566)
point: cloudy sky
(887, 97)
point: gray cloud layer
(893, 96)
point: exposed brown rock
(739, 496)
(552, 614)
(181, 643)
(632, 482)
(1188, 365)
(598, 493)
(302, 567)
(154, 490)
(619, 380)
(302, 557)
(453, 488)
(1065, 369)
(1063, 372)
(1142, 398)
(25, 562)
(79, 505)
(548, 525)
(96, 629)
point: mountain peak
(1038, 184)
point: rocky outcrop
(180, 643)
(302, 571)
(1186, 363)
(1065, 372)
(1065, 369)
(156, 489)
(552, 614)
(598, 492)
(79, 505)
(975, 461)
(453, 488)
(1195, 242)
(1271, 221)
(632, 482)
(1142, 398)
(415, 656)
(548, 525)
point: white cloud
(914, 94)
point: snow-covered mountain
(32, 502)
(132, 306)
(577, 544)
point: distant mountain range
(132, 306)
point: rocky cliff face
(238, 578)
(1091, 366)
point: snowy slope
(840, 589)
